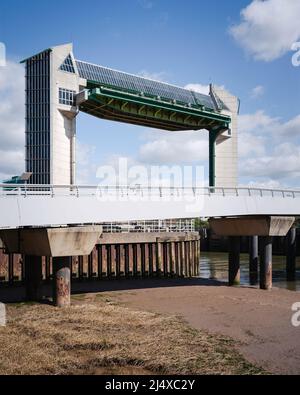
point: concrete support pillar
(266, 263)
(253, 259)
(62, 281)
(291, 254)
(234, 261)
(33, 277)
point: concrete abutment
(264, 227)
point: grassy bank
(98, 336)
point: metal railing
(123, 191)
(154, 226)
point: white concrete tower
(52, 81)
(226, 148)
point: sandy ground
(260, 321)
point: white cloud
(147, 4)
(157, 76)
(269, 184)
(204, 89)
(256, 122)
(12, 124)
(174, 148)
(250, 145)
(290, 128)
(260, 122)
(257, 92)
(12, 109)
(11, 163)
(269, 150)
(268, 28)
(275, 166)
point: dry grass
(99, 336)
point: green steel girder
(113, 104)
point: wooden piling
(234, 261)
(108, 261)
(150, 258)
(126, 252)
(135, 263)
(159, 258)
(100, 261)
(118, 260)
(143, 259)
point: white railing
(27, 190)
(154, 226)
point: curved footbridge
(58, 205)
(65, 220)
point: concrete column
(62, 281)
(234, 261)
(266, 263)
(253, 259)
(291, 254)
(33, 277)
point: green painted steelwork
(118, 105)
(131, 107)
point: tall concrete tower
(226, 145)
(52, 81)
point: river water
(214, 265)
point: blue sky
(181, 42)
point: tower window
(66, 96)
(68, 65)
